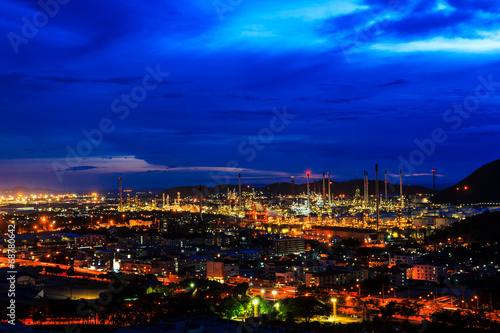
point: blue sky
(362, 82)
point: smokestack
(367, 188)
(434, 180)
(377, 194)
(329, 190)
(163, 200)
(293, 186)
(121, 196)
(308, 191)
(385, 185)
(239, 193)
(364, 187)
(401, 187)
(324, 189)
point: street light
(477, 301)
(334, 301)
(255, 302)
(274, 294)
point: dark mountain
(27, 191)
(348, 188)
(481, 186)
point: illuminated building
(285, 246)
(221, 270)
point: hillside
(481, 186)
(484, 227)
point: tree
(263, 305)
(406, 309)
(70, 271)
(231, 308)
(462, 321)
(389, 310)
(241, 289)
(303, 307)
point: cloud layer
(364, 80)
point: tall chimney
(367, 188)
(324, 189)
(386, 200)
(329, 190)
(401, 187)
(377, 194)
(308, 191)
(434, 180)
(120, 206)
(239, 193)
(364, 187)
(293, 186)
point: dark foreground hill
(481, 186)
(483, 228)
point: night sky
(191, 92)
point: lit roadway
(86, 271)
(4, 262)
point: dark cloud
(173, 95)
(484, 5)
(81, 168)
(119, 81)
(425, 24)
(393, 83)
(223, 86)
(176, 82)
(344, 100)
